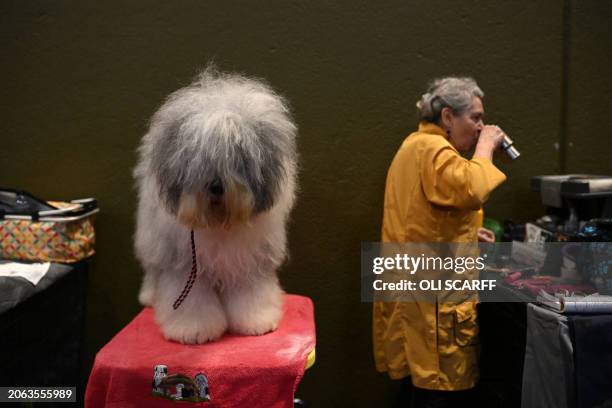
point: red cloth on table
(547, 284)
(243, 371)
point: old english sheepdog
(216, 182)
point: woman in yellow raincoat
(433, 194)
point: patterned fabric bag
(36, 230)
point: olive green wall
(590, 88)
(80, 80)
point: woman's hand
(490, 138)
(486, 235)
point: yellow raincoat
(432, 194)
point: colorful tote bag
(46, 231)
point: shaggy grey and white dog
(219, 159)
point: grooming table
(241, 371)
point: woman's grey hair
(455, 93)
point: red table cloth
(242, 371)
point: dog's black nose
(216, 188)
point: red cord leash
(192, 276)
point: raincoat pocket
(465, 325)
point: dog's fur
(219, 158)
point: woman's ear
(447, 117)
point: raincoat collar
(432, 128)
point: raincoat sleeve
(449, 180)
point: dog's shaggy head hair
(220, 150)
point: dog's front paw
(199, 319)
(258, 325)
(191, 331)
(256, 320)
